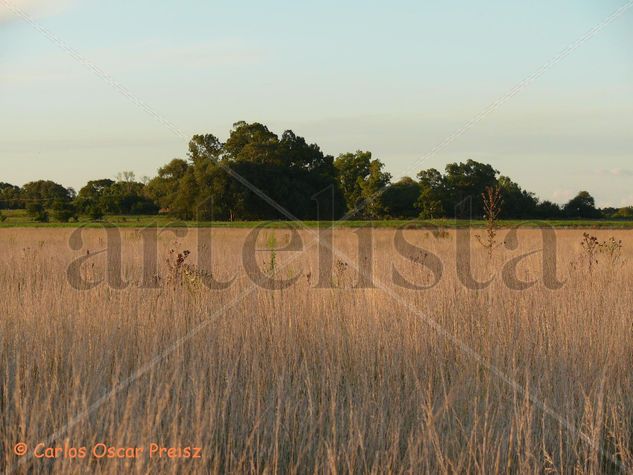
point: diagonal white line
(431, 322)
(499, 102)
(100, 73)
(519, 87)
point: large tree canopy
(582, 206)
(464, 184)
(106, 196)
(10, 196)
(46, 192)
(516, 202)
(433, 201)
(163, 189)
(399, 200)
(362, 181)
(257, 175)
(213, 183)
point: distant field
(19, 218)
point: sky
(396, 78)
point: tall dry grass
(307, 380)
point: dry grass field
(315, 380)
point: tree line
(210, 185)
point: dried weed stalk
(492, 209)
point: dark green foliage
(10, 196)
(36, 210)
(433, 201)
(210, 185)
(352, 169)
(548, 210)
(582, 206)
(93, 196)
(64, 211)
(517, 203)
(288, 171)
(106, 196)
(400, 199)
(163, 189)
(372, 188)
(457, 193)
(94, 212)
(46, 192)
(464, 184)
(623, 213)
(362, 181)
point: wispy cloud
(616, 172)
(32, 7)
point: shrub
(612, 248)
(37, 211)
(183, 274)
(624, 213)
(592, 248)
(95, 212)
(63, 211)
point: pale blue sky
(393, 77)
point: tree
(93, 198)
(210, 186)
(10, 196)
(126, 177)
(36, 210)
(163, 189)
(64, 211)
(372, 188)
(203, 148)
(252, 143)
(246, 177)
(296, 153)
(361, 180)
(624, 213)
(467, 181)
(517, 203)
(95, 212)
(401, 197)
(433, 200)
(548, 210)
(309, 173)
(582, 205)
(202, 190)
(105, 196)
(211, 191)
(128, 197)
(352, 169)
(46, 192)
